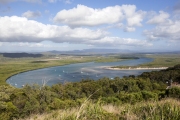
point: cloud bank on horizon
(67, 25)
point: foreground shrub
(173, 92)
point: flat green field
(163, 60)
(160, 60)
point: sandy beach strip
(138, 68)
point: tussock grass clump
(164, 110)
(168, 109)
(90, 111)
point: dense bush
(173, 92)
(171, 73)
(17, 103)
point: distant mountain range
(82, 52)
(109, 51)
(91, 51)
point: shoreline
(138, 68)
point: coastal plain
(12, 66)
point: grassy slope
(167, 109)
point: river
(75, 72)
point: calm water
(75, 72)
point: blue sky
(43, 25)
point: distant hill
(91, 51)
(20, 55)
(109, 51)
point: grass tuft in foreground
(167, 109)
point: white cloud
(161, 18)
(31, 14)
(31, 45)
(167, 26)
(136, 19)
(133, 17)
(168, 32)
(116, 41)
(26, 47)
(86, 16)
(20, 29)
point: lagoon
(75, 72)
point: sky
(64, 25)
